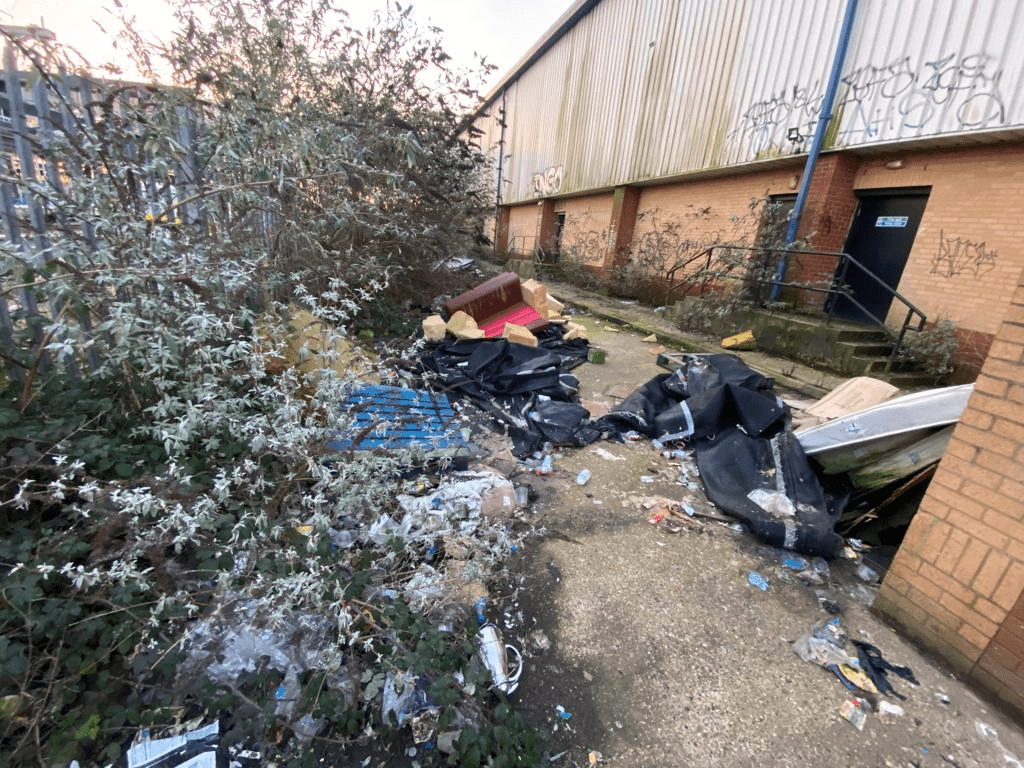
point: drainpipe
(824, 118)
(501, 152)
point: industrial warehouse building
(638, 133)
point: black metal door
(880, 240)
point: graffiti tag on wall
(547, 182)
(588, 247)
(957, 256)
(963, 89)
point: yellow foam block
(536, 295)
(433, 328)
(744, 340)
(462, 326)
(574, 331)
(519, 334)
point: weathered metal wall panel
(646, 89)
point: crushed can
(494, 654)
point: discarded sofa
(496, 302)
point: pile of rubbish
(865, 673)
(788, 487)
(751, 465)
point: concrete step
(862, 335)
(913, 380)
(867, 349)
(875, 365)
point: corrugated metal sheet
(643, 89)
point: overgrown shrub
(934, 348)
(161, 461)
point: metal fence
(62, 134)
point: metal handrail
(837, 288)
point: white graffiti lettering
(876, 100)
(547, 182)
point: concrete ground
(646, 646)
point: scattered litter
(583, 477)
(562, 713)
(824, 644)
(650, 339)
(197, 749)
(669, 525)
(817, 573)
(877, 668)
(853, 678)
(888, 710)
(795, 563)
(988, 733)
(608, 455)
(856, 711)
(539, 641)
(866, 573)
(646, 479)
(405, 696)
(657, 349)
(494, 654)
(831, 607)
(775, 503)
(943, 698)
(755, 579)
(593, 758)
(522, 495)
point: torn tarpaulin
(528, 390)
(751, 465)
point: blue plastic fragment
(755, 579)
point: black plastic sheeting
(530, 391)
(751, 465)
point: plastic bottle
(545, 466)
(583, 477)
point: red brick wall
(824, 224)
(676, 221)
(969, 249)
(523, 226)
(585, 237)
(957, 583)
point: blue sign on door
(891, 221)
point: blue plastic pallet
(396, 418)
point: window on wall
(772, 228)
(775, 220)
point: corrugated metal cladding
(642, 89)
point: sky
(502, 30)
